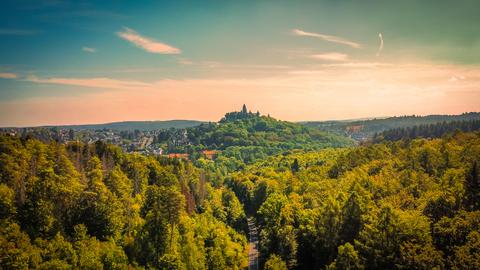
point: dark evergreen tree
(472, 188)
(295, 166)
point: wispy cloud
(333, 56)
(89, 49)
(383, 89)
(380, 48)
(8, 75)
(353, 75)
(17, 32)
(456, 78)
(185, 61)
(148, 44)
(92, 82)
(328, 38)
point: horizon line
(367, 118)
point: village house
(209, 154)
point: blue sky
(100, 61)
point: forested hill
(247, 136)
(256, 130)
(365, 129)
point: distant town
(144, 142)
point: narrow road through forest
(252, 245)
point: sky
(77, 62)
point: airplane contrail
(329, 38)
(381, 44)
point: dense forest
(427, 131)
(364, 129)
(319, 201)
(93, 207)
(395, 205)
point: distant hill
(245, 136)
(133, 125)
(437, 130)
(365, 129)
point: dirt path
(252, 245)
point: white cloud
(333, 56)
(329, 38)
(380, 49)
(89, 49)
(456, 78)
(148, 44)
(8, 75)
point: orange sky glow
(321, 92)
